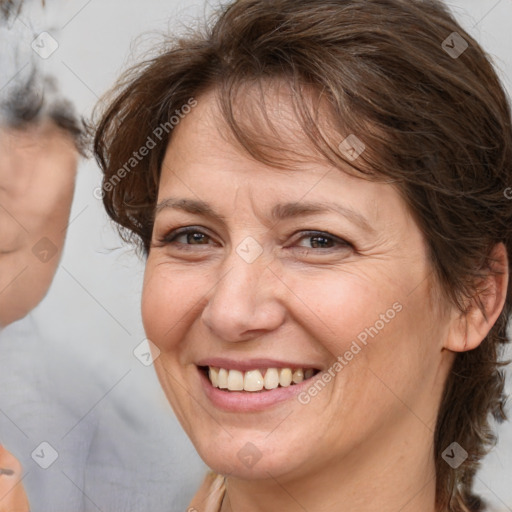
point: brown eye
(319, 240)
(195, 238)
(186, 236)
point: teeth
(298, 376)
(271, 378)
(285, 377)
(214, 377)
(257, 380)
(223, 379)
(235, 380)
(253, 381)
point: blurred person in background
(80, 449)
(40, 142)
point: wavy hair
(426, 101)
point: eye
(322, 240)
(186, 236)
(193, 235)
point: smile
(256, 380)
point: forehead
(204, 164)
(204, 148)
(263, 119)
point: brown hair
(435, 123)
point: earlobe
(469, 328)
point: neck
(393, 471)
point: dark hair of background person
(35, 98)
(437, 127)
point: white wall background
(92, 309)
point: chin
(240, 457)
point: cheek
(340, 307)
(169, 301)
(160, 308)
(370, 321)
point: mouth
(257, 380)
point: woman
(318, 188)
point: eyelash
(170, 238)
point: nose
(246, 301)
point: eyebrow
(279, 212)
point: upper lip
(252, 364)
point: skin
(37, 177)
(365, 442)
(12, 494)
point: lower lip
(247, 401)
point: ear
(468, 329)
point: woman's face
(307, 268)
